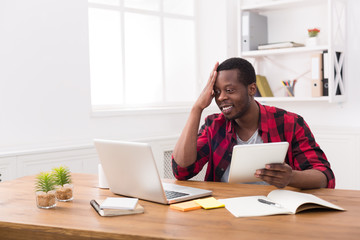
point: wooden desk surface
(21, 219)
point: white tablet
(246, 159)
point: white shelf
(338, 98)
(292, 99)
(277, 5)
(259, 53)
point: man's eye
(217, 92)
(229, 90)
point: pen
(269, 203)
(287, 86)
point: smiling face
(232, 97)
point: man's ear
(252, 89)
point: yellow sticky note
(185, 206)
(209, 203)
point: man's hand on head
(207, 93)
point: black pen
(269, 203)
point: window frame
(154, 108)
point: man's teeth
(226, 108)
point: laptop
(246, 159)
(130, 170)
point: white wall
(44, 73)
(44, 62)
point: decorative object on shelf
(64, 188)
(313, 32)
(313, 37)
(289, 87)
(44, 187)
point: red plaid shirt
(217, 138)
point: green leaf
(45, 182)
(62, 175)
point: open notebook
(130, 170)
(278, 201)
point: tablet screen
(246, 159)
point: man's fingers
(277, 182)
(216, 66)
(270, 173)
(212, 79)
(214, 69)
(276, 166)
(275, 174)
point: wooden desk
(21, 219)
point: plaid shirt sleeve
(307, 154)
(202, 158)
(203, 153)
(304, 153)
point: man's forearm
(185, 151)
(308, 179)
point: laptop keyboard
(173, 194)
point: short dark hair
(246, 73)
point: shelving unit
(288, 20)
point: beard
(242, 112)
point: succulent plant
(62, 175)
(45, 182)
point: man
(245, 121)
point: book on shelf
(106, 212)
(263, 86)
(276, 202)
(325, 72)
(317, 75)
(279, 45)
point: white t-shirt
(254, 139)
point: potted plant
(312, 40)
(64, 188)
(44, 187)
(313, 32)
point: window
(142, 53)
